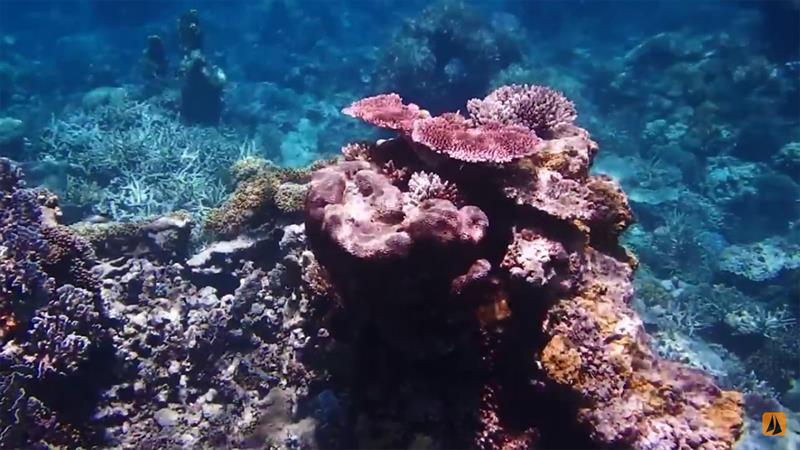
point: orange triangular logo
(773, 424)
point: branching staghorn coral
(132, 160)
(687, 317)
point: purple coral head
(537, 108)
(387, 111)
(364, 214)
(438, 221)
(453, 135)
(359, 210)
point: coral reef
(169, 396)
(532, 254)
(164, 238)
(710, 180)
(598, 347)
(151, 332)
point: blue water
(695, 105)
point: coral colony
(278, 232)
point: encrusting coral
(262, 188)
(162, 238)
(291, 197)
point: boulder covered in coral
(598, 348)
(525, 291)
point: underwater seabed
(257, 226)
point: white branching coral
(758, 320)
(131, 159)
(425, 185)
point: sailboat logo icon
(773, 424)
